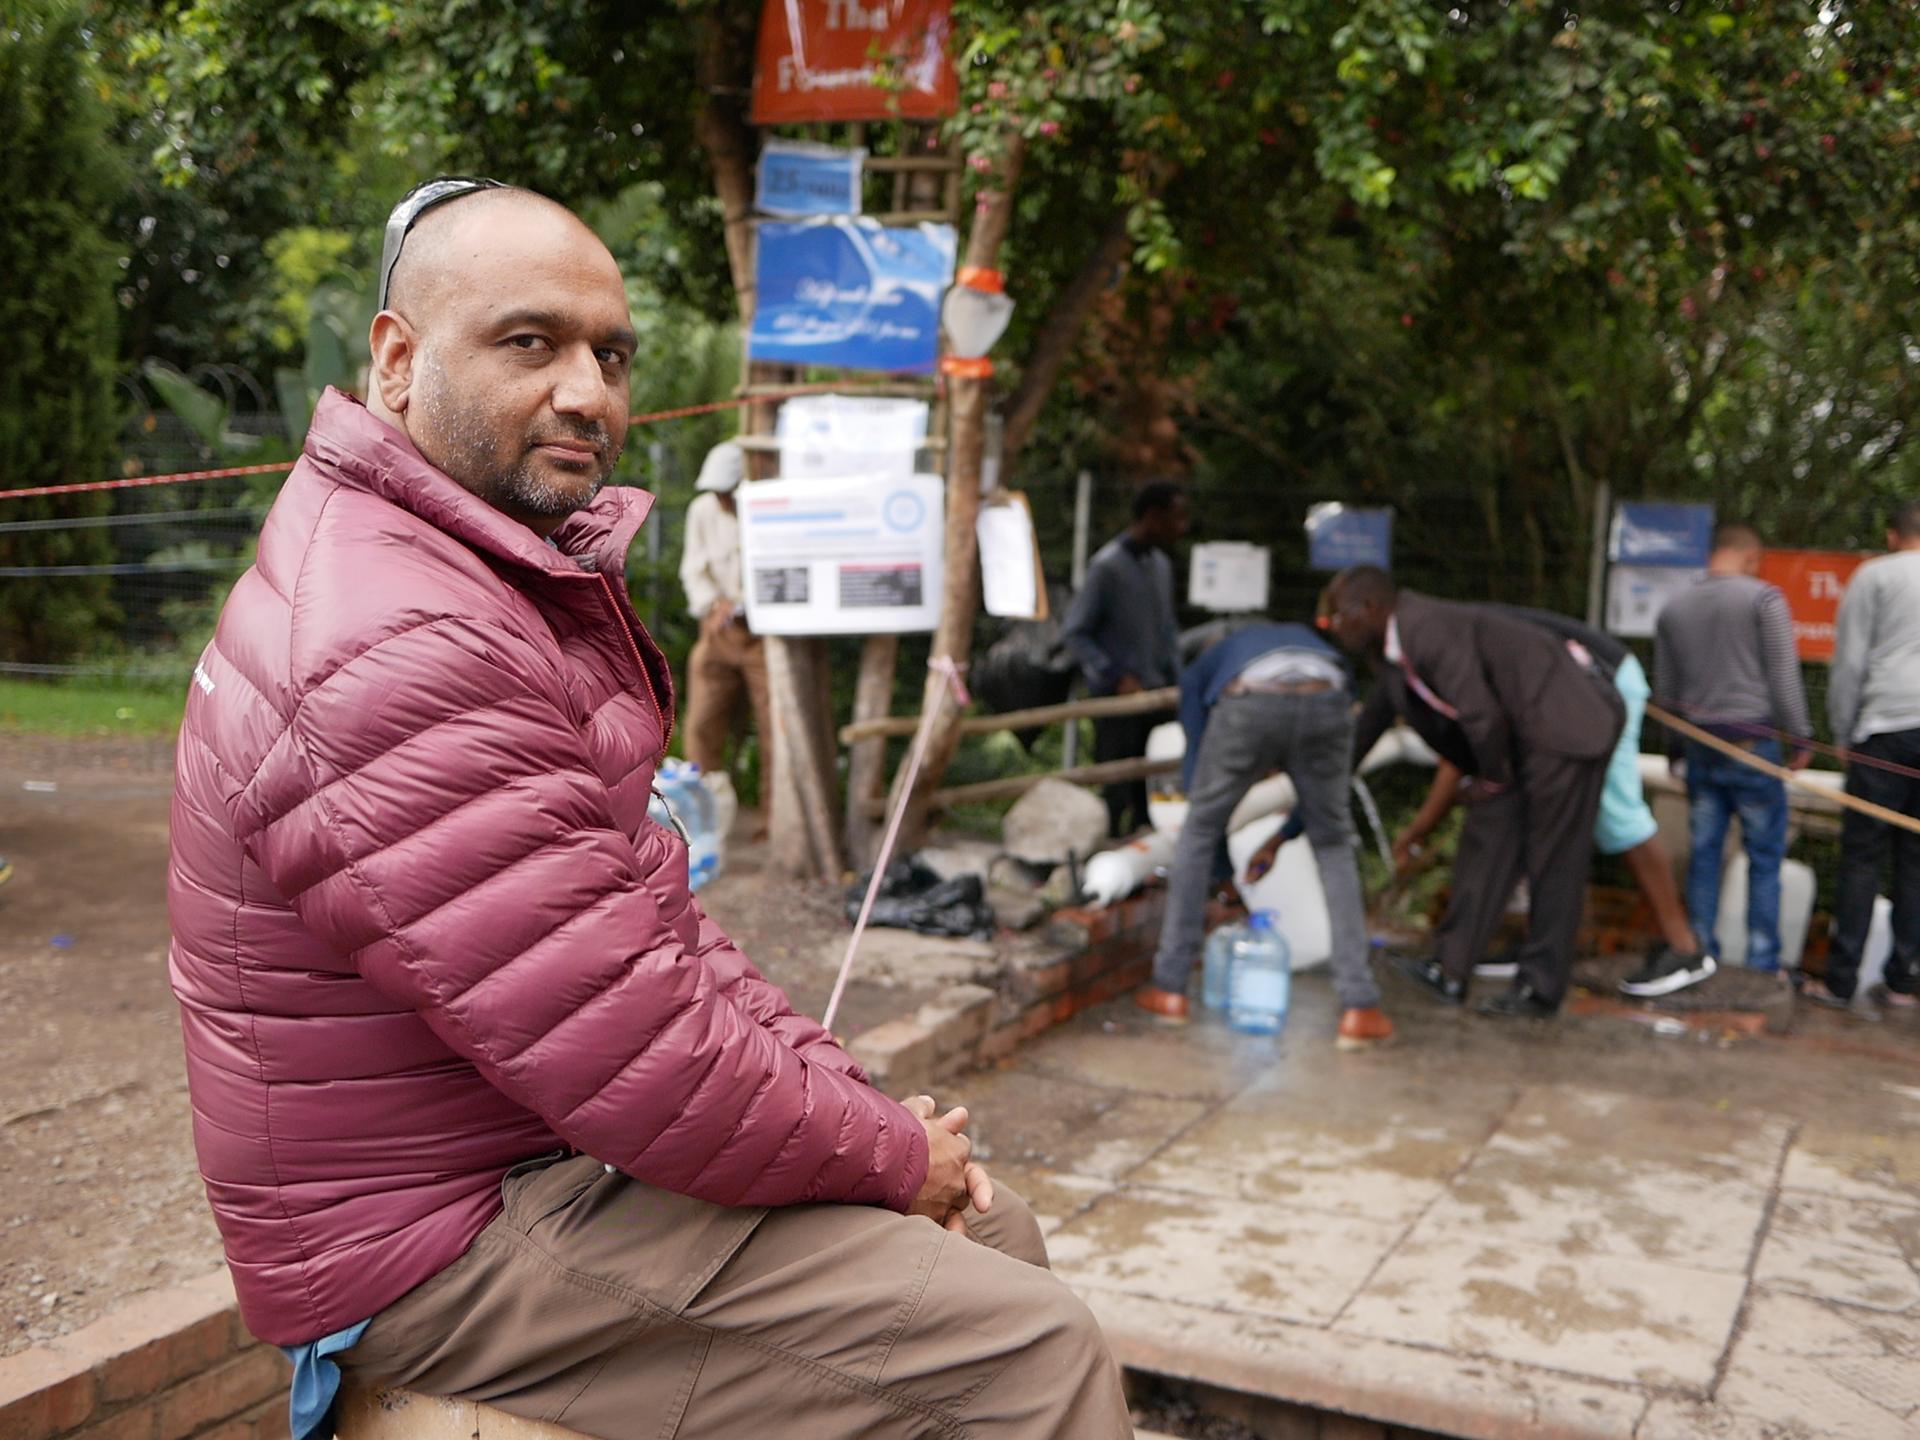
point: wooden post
(867, 759)
(966, 450)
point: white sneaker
(1666, 971)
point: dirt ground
(98, 1186)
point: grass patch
(69, 707)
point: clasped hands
(954, 1179)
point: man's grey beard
(520, 489)
(469, 455)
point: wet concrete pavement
(1576, 1227)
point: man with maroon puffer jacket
(485, 1105)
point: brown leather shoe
(1363, 1030)
(1163, 1005)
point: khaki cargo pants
(630, 1313)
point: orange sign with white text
(853, 60)
(1814, 581)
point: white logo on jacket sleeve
(202, 679)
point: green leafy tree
(57, 408)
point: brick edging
(1081, 958)
(172, 1364)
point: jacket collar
(351, 446)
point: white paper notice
(843, 557)
(841, 436)
(1009, 561)
(1229, 576)
(1636, 594)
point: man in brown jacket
(1540, 724)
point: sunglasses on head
(415, 203)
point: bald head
(504, 351)
(452, 236)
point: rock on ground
(1052, 819)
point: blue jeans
(1719, 788)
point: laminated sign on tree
(853, 60)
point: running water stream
(1372, 812)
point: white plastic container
(1292, 889)
(1796, 911)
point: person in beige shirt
(728, 658)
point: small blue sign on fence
(850, 292)
(1342, 535)
(801, 179)
(1651, 533)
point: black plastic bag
(1027, 667)
(914, 897)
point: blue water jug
(1216, 966)
(683, 804)
(1262, 982)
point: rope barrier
(1791, 778)
(1790, 743)
(956, 690)
(229, 472)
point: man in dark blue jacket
(1268, 697)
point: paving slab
(1257, 1259)
(1862, 1165)
(1602, 1316)
(1054, 1196)
(1125, 1053)
(1385, 1381)
(1600, 1173)
(1830, 1369)
(1854, 1252)
(1082, 1128)
(1486, 1230)
(1381, 1149)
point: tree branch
(1060, 333)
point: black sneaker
(1429, 974)
(1520, 1001)
(1666, 971)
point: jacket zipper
(646, 675)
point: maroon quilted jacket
(422, 926)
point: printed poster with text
(843, 557)
(850, 293)
(1813, 582)
(853, 60)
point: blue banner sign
(1646, 533)
(799, 179)
(1342, 535)
(851, 293)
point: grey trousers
(1311, 738)
(631, 1313)
(1543, 829)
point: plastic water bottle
(1216, 972)
(1262, 982)
(682, 803)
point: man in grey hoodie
(1873, 700)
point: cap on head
(723, 469)
(416, 202)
